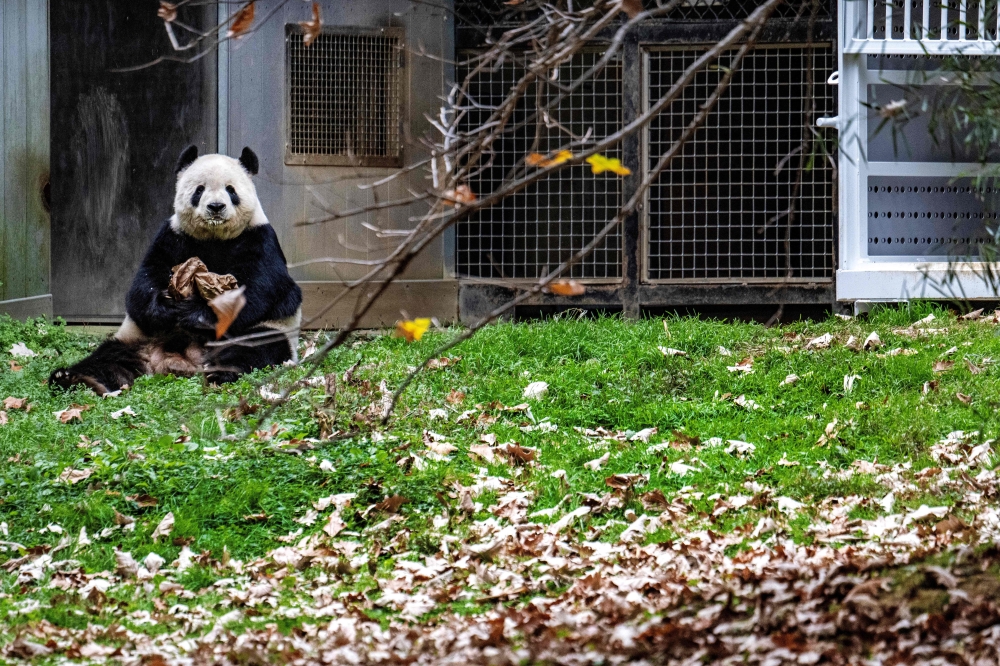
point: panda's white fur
(215, 173)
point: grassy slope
(603, 373)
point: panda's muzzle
(215, 208)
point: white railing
(924, 26)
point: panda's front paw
(195, 316)
(220, 377)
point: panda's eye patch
(197, 196)
(232, 195)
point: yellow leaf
(600, 164)
(537, 159)
(412, 330)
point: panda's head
(215, 197)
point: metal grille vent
(345, 97)
(530, 233)
(717, 214)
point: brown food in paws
(194, 274)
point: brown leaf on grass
(14, 367)
(165, 527)
(454, 397)
(974, 315)
(967, 399)
(654, 500)
(74, 411)
(632, 8)
(15, 403)
(123, 520)
(624, 481)
(485, 452)
(443, 362)
(242, 22)
(391, 504)
(334, 525)
(567, 288)
(71, 476)
(167, 11)
(143, 501)
(973, 368)
(227, 307)
(943, 366)
(516, 453)
(684, 442)
(931, 386)
(3, 417)
(256, 517)
(311, 29)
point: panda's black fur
(162, 335)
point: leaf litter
(573, 583)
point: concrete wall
(24, 158)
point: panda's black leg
(269, 347)
(112, 365)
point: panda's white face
(215, 199)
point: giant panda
(218, 218)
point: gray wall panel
(256, 99)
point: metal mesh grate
(485, 13)
(345, 98)
(717, 213)
(528, 234)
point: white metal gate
(912, 210)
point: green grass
(602, 373)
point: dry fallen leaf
(74, 411)
(567, 288)
(597, 463)
(242, 21)
(516, 453)
(71, 476)
(125, 564)
(974, 315)
(746, 365)
(165, 527)
(483, 451)
(334, 524)
(536, 390)
(454, 397)
(822, 342)
(412, 331)
(537, 159)
(943, 366)
(872, 341)
(227, 307)
(973, 368)
(442, 448)
(391, 504)
(964, 398)
(14, 403)
(3, 417)
(143, 500)
(20, 349)
(311, 29)
(167, 11)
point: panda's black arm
(271, 293)
(146, 303)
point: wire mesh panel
(485, 13)
(345, 98)
(722, 211)
(528, 234)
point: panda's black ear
(249, 160)
(189, 155)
